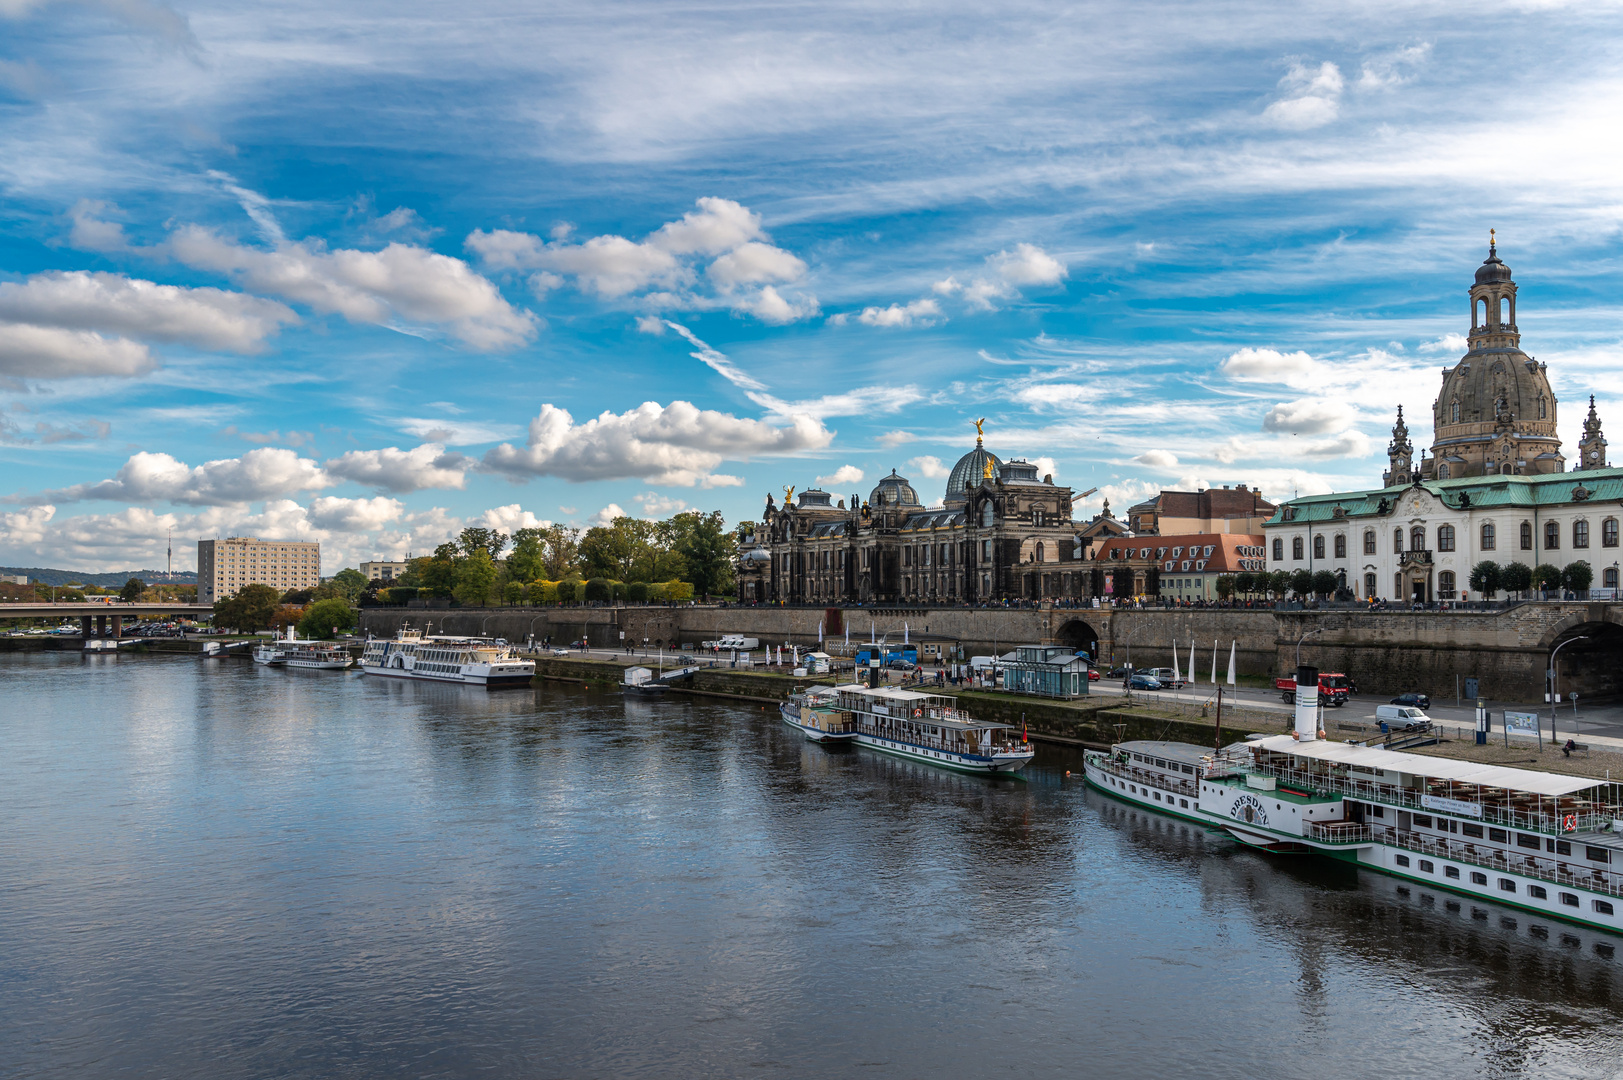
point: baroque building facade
(1000, 533)
(1495, 487)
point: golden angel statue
(788, 494)
(978, 423)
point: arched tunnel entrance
(1079, 635)
(1592, 668)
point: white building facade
(225, 566)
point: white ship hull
(472, 678)
(946, 759)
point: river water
(210, 869)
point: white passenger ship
(1538, 841)
(816, 714)
(932, 729)
(293, 653)
(477, 660)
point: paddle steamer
(817, 715)
(1539, 841)
(479, 661)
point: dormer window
(1176, 552)
(1208, 551)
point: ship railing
(1340, 832)
(1149, 779)
(1390, 795)
(1504, 861)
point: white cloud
(920, 312)
(1309, 416)
(896, 438)
(25, 527)
(265, 473)
(354, 515)
(112, 303)
(863, 401)
(1312, 97)
(655, 505)
(1045, 466)
(678, 444)
(1448, 343)
(1027, 264)
(455, 432)
(1268, 365)
(745, 269)
(511, 518)
(650, 324)
(1392, 69)
(929, 466)
(717, 361)
(607, 515)
(401, 284)
(48, 352)
(1158, 459)
(92, 231)
(401, 471)
(845, 474)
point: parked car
(1093, 674)
(579, 643)
(1402, 718)
(898, 663)
(1120, 671)
(1419, 701)
(1144, 682)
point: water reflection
(217, 869)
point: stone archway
(1077, 634)
(1593, 667)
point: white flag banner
(1233, 642)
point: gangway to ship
(679, 673)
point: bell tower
(1400, 455)
(1592, 448)
(1493, 304)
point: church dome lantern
(974, 467)
(893, 490)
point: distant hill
(47, 576)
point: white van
(1403, 718)
(978, 664)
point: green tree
(709, 551)
(1516, 577)
(597, 590)
(637, 592)
(1577, 576)
(1546, 576)
(1245, 583)
(350, 582)
(1301, 582)
(250, 611)
(474, 539)
(1225, 586)
(562, 552)
(437, 575)
(513, 592)
(678, 590)
(1279, 582)
(321, 617)
(608, 551)
(1486, 579)
(1325, 582)
(475, 578)
(529, 555)
(132, 590)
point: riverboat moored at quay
(931, 728)
(815, 713)
(1538, 841)
(293, 653)
(480, 661)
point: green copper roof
(1551, 489)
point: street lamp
(1303, 638)
(533, 621)
(1549, 680)
(483, 624)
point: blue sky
(333, 272)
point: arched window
(1369, 541)
(1417, 538)
(1279, 550)
(1318, 547)
(986, 515)
(1580, 534)
(1608, 533)
(1397, 541)
(1479, 314)
(1552, 535)
(1296, 548)
(1445, 538)
(1608, 577)
(1504, 311)
(1541, 406)
(1442, 472)
(1369, 586)
(1527, 536)
(1445, 585)
(1341, 545)
(1454, 412)
(1039, 551)
(1488, 538)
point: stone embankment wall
(1387, 652)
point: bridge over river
(102, 620)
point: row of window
(1537, 892)
(1446, 539)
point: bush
(597, 591)
(678, 590)
(541, 592)
(1577, 576)
(637, 592)
(322, 616)
(1515, 577)
(401, 594)
(571, 591)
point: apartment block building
(225, 566)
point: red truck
(1334, 689)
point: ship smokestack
(1307, 703)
